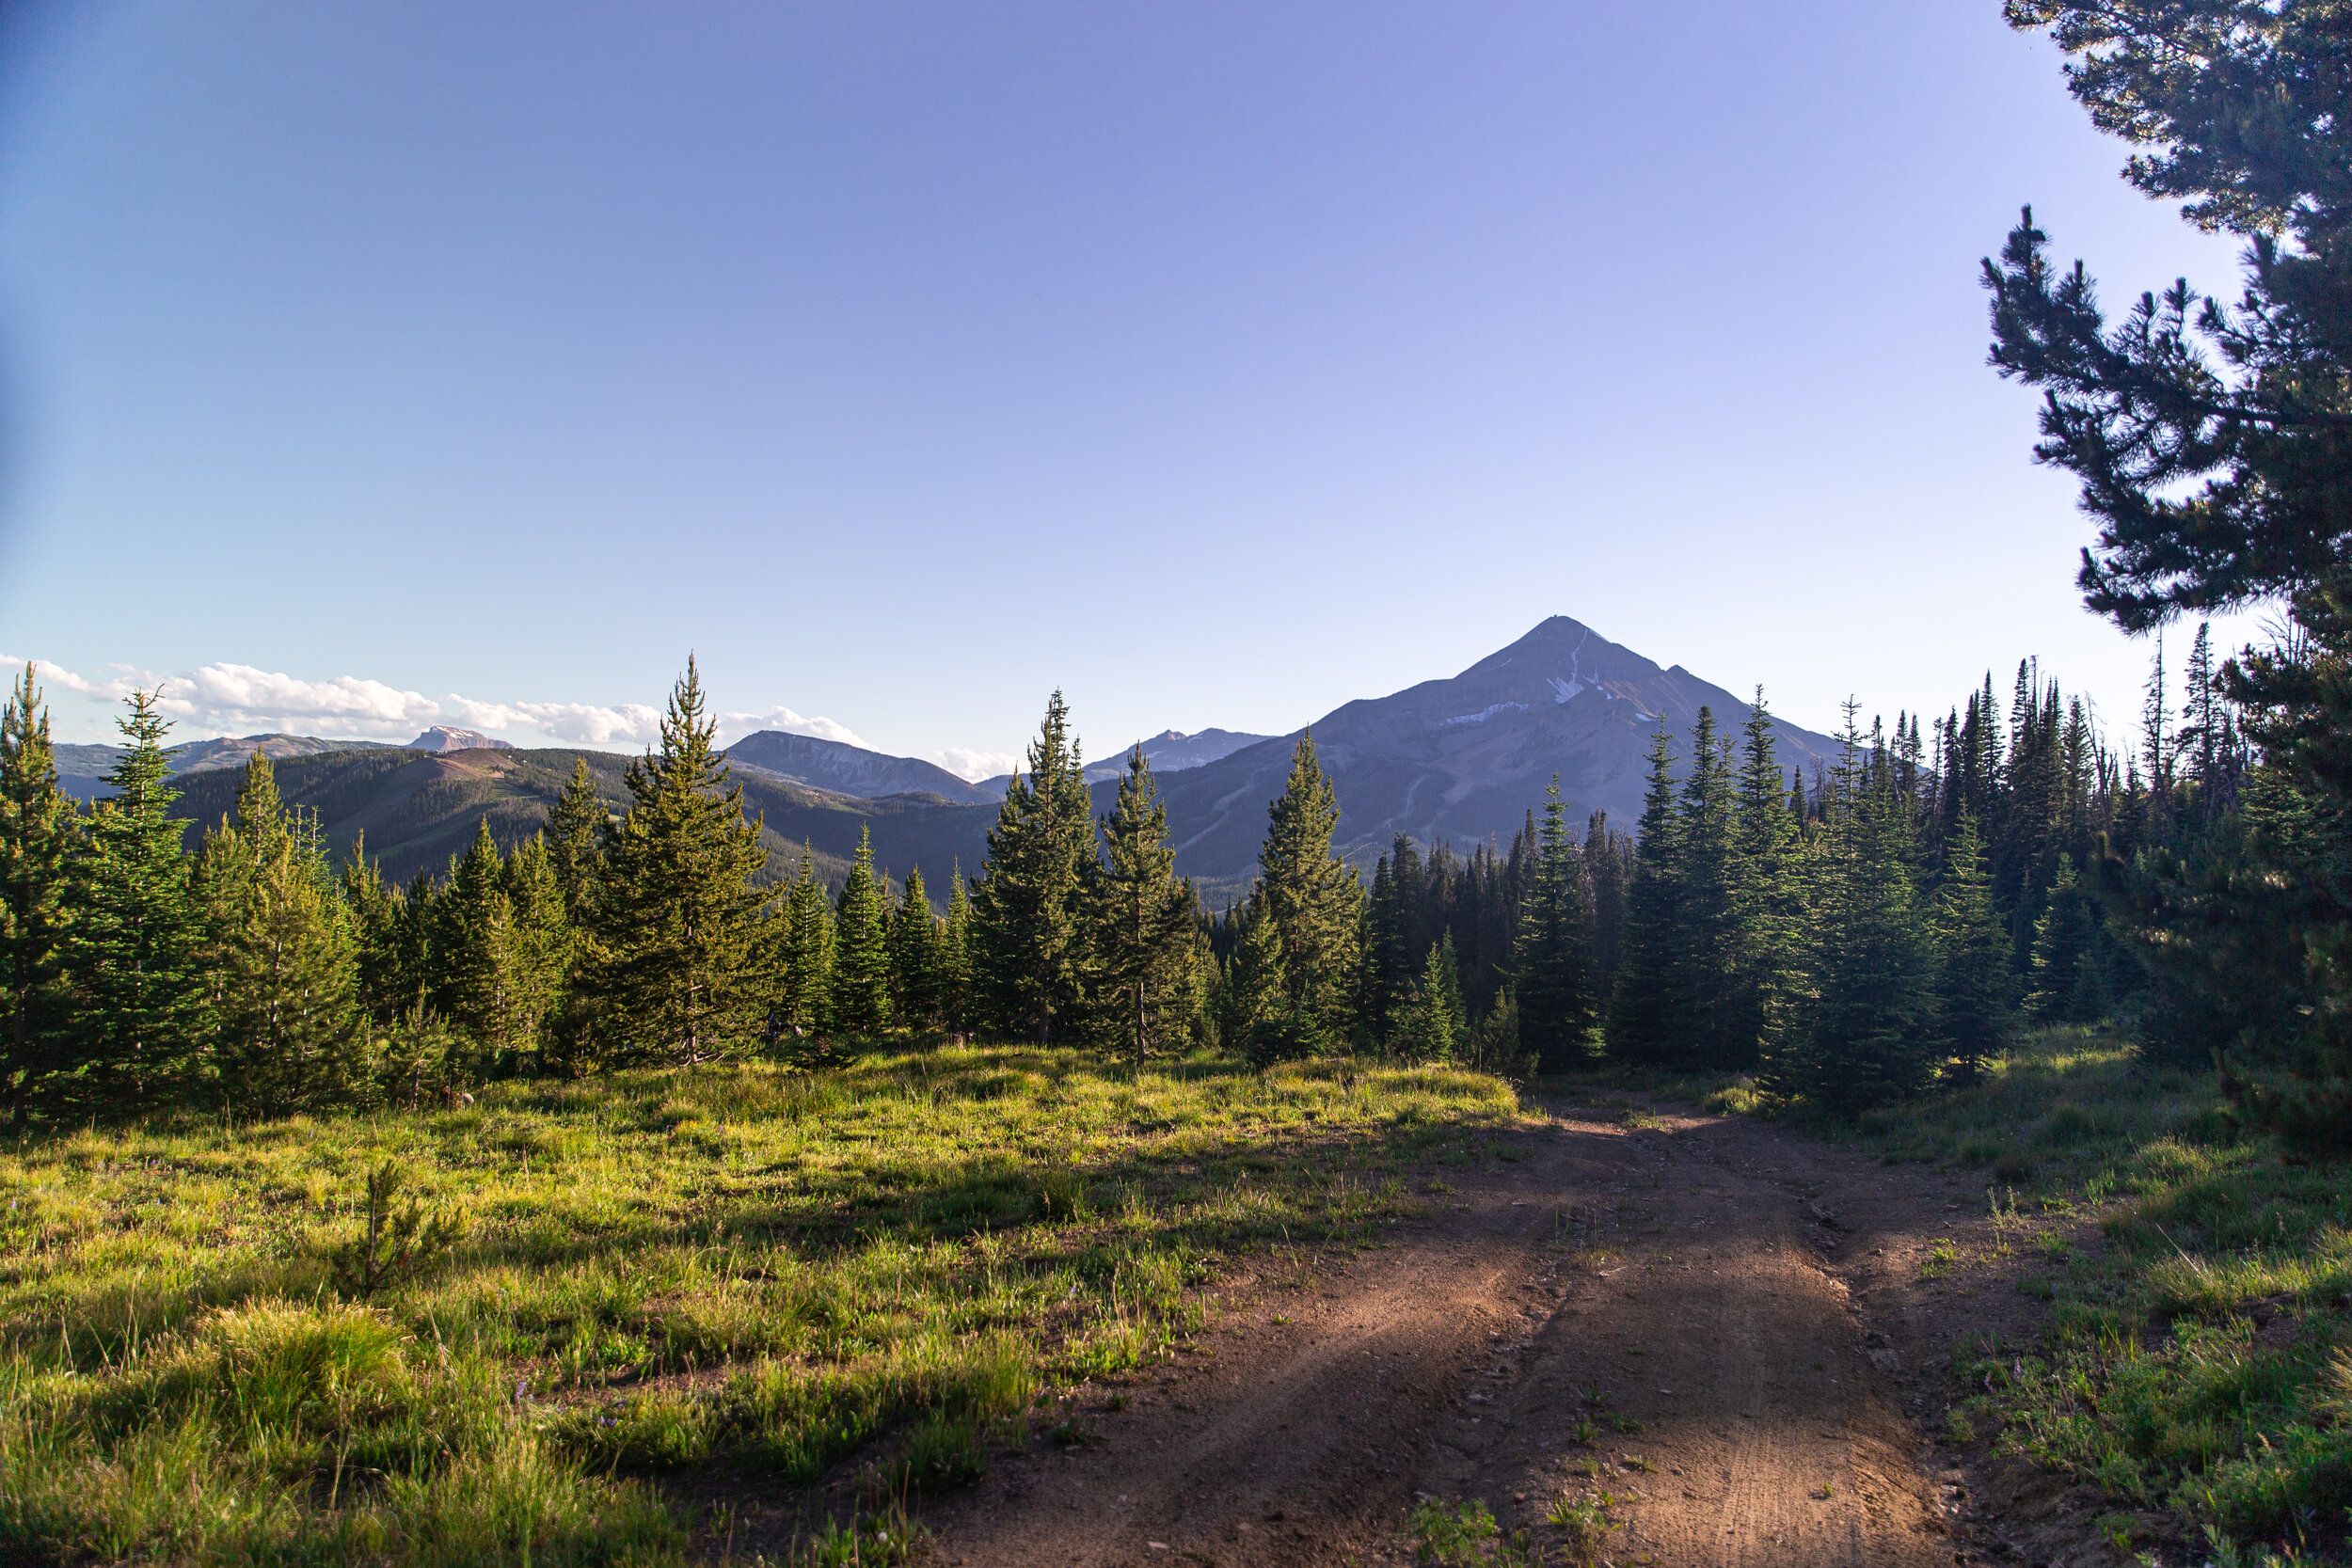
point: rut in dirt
(1644, 1314)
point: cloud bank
(239, 698)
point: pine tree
(1436, 1028)
(1029, 930)
(2064, 983)
(1261, 1019)
(1706, 958)
(1975, 990)
(952, 967)
(539, 962)
(806, 1005)
(1640, 1019)
(473, 978)
(1859, 1037)
(1315, 900)
(576, 826)
(1766, 896)
(282, 957)
(378, 922)
(38, 832)
(674, 910)
(1605, 871)
(1557, 1005)
(139, 1000)
(1145, 922)
(915, 940)
(861, 962)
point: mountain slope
(848, 769)
(1464, 759)
(418, 809)
(82, 770)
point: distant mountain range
(848, 769)
(1463, 759)
(82, 770)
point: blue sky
(369, 363)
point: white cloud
(965, 763)
(240, 699)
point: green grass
(2194, 1363)
(745, 1272)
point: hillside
(416, 809)
(846, 769)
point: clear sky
(365, 365)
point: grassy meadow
(2196, 1365)
(655, 1286)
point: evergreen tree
(1606, 870)
(38, 832)
(139, 1000)
(1029, 931)
(1261, 1019)
(378, 922)
(1975, 990)
(539, 961)
(576, 826)
(952, 969)
(1641, 1020)
(1315, 900)
(2064, 980)
(1766, 896)
(1859, 1037)
(475, 947)
(915, 941)
(809, 950)
(861, 962)
(1145, 928)
(674, 910)
(1435, 1028)
(1707, 1028)
(282, 959)
(1557, 1006)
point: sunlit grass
(748, 1269)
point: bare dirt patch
(1718, 1341)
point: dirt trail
(1708, 1320)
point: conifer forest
(1931, 1145)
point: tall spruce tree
(575, 829)
(1767, 895)
(1557, 1006)
(1705, 967)
(140, 998)
(1859, 1037)
(675, 908)
(952, 962)
(1028, 910)
(914, 939)
(806, 1005)
(861, 962)
(1975, 990)
(1314, 899)
(282, 955)
(37, 834)
(1606, 872)
(1145, 919)
(1435, 1027)
(1641, 1010)
(1260, 1016)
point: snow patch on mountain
(1483, 714)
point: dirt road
(1705, 1330)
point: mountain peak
(445, 737)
